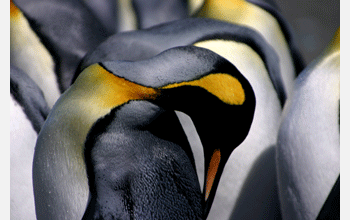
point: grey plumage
(308, 140)
(29, 96)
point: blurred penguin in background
(28, 111)
(308, 150)
(29, 53)
(264, 17)
(49, 39)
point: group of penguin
(178, 109)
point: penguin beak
(222, 109)
(214, 166)
(212, 172)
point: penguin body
(151, 176)
(257, 15)
(259, 64)
(67, 29)
(28, 111)
(272, 7)
(308, 140)
(172, 79)
(22, 142)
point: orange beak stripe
(213, 168)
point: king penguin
(28, 110)
(308, 150)
(107, 117)
(49, 39)
(29, 54)
(264, 17)
(254, 160)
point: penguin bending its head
(256, 61)
(308, 149)
(109, 113)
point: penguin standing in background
(264, 17)
(29, 54)
(28, 111)
(133, 171)
(254, 160)
(308, 150)
(49, 39)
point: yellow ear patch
(226, 87)
(109, 90)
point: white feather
(22, 142)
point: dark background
(314, 23)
